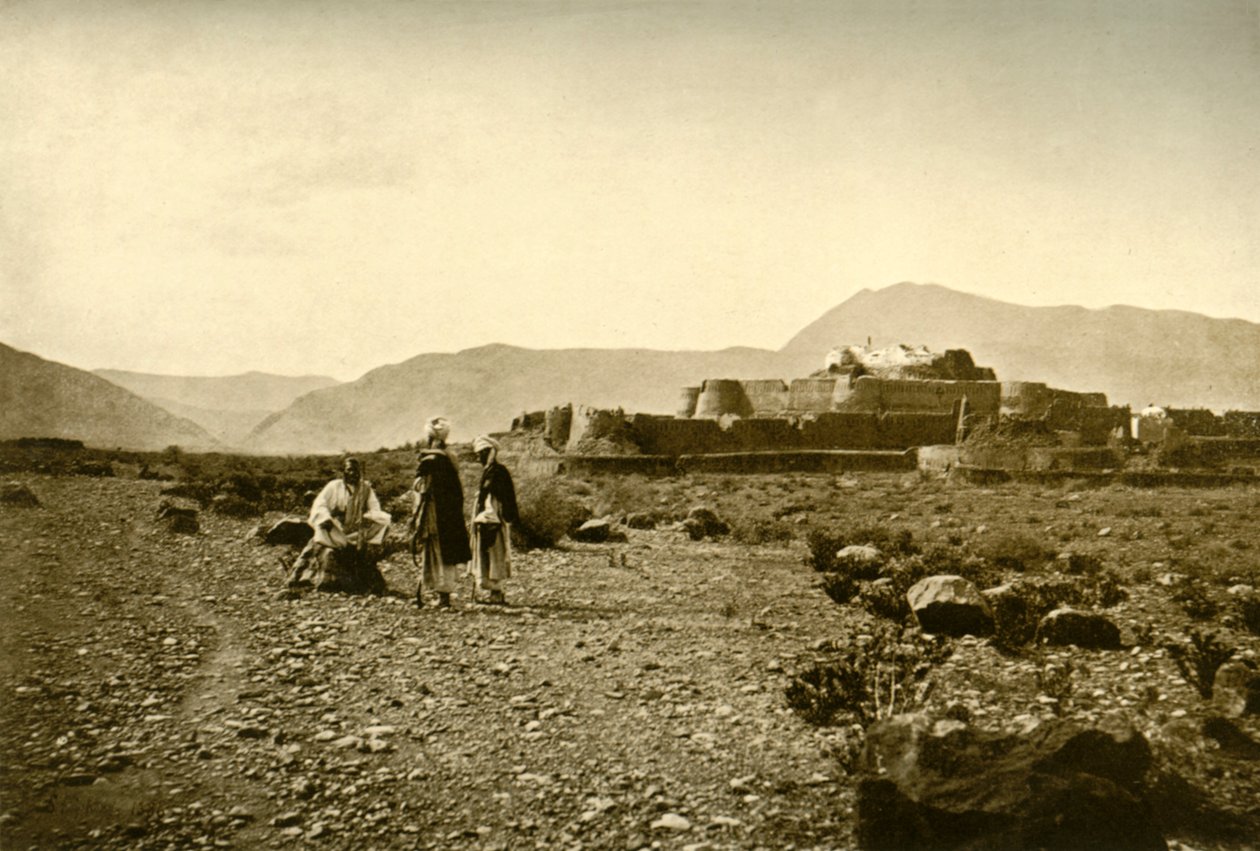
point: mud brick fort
(893, 408)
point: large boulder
(18, 495)
(592, 531)
(943, 784)
(292, 530)
(950, 605)
(1090, 630)
(178, 515)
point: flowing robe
(356, 514)
(441, 522)
(493, 513)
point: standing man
(346, 517)
(493, 513)
(439, 532)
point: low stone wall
(657, 435)
(620, 465)
(805, 461)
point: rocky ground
(158, 691)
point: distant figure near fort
(346, 517)
(439, 536)
(493, 513)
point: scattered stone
(288, 819)
(1090, 630)
(640, 520)
(950, 605)
(1236, 689)
(671, 821)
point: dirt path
(159, 694)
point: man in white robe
(345, 514)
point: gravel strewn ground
(160, 690)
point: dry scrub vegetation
(711, 693)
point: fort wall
(893, 394)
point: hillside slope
(229, 406)
(481, 390)
(42, 398)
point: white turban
(486, 442)
(438, 427)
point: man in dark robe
(440, 533)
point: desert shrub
(867, 680)
(622, 495)
(1013, 551)
(1193, 598)
(761, 531)
(1104, 589)
(1080, 564)
(824, 544)
(549, 510)
(1249, 612)
(840, 587)
(232, 505)
(1056, 680)
(1018, 611)
(1199, 658)
(885, 600)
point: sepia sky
(324, 187)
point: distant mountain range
(1135, 356)
(42, 398)
(228, 407)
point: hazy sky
(212, 187)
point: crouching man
(346, 517)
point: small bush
(1199, 658)
(823, 545)
(761, 532)
(1249, 612)
(1018, 612)
(1014, 552)
(1194, 600)
(231, 505)
(1080, 564)
(866, 681)
(549, 510)
(840, 587)
(885, 600)
(1105, 590)
(1056, 681)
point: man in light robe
(493, 513)
(439, 534)
(346, 514)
